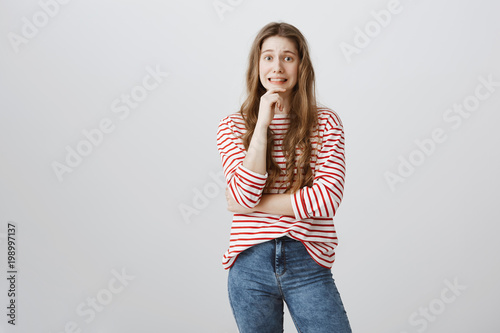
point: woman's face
(278, 63)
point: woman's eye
(267, 58)
(288, 58)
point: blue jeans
(266, 274)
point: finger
(279, 102)
(278, 106)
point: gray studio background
(128, 237)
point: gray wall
(112, 176)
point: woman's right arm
(246, 173)
(255, 158)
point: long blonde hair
(302, 114)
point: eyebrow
(286, 51)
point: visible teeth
(282, 80)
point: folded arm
(323, 198)
(277, 204)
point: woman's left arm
(323, 198)
(277, 204)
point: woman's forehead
(278, 43)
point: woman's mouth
(277, 80)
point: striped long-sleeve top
(314, 207)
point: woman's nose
(277, 67)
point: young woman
(283, 159)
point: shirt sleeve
(324, 196)
(246, 186)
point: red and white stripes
(314, 206)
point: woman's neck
(286, 107)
